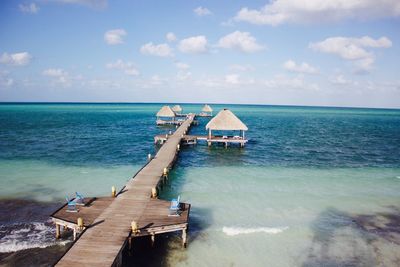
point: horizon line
(192, 103)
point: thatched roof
(225, 120)
(177, 108)
(207, 108)
(165, 111)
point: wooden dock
(106, 228)
(193, 139)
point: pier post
(130, 243)
(74, 233)
(57, 231)
(154, 192)
(184, 237)
(153, 238)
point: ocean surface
(314, 186)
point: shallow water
(314, 186)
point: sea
(314, 186)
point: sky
(281, 52)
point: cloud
(341, 80)
(242, 41)
(31, 8)
(293, 11)
(353, 49)
(17, 59)
(161, 50)
(182, 66)
(193, 45)
(304, 67)
(114, 37)
(171, 37)
(5, 80)
(243, 68)
(283, 82)
(127, 67)
(232, 79)
(59, 76)
(97, 4)
(201, 11)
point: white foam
(398, 177)
(232, 231)
(26, 236)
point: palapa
(177, 108)
(207, 108)
(165, 111)
(225, 120)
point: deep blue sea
(314, 186)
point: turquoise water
(314, 186)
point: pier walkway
(103, 241)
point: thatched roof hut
(207, 108)
(177, 108)
(165, 111)
(225, 120)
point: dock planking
(105, 236)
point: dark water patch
(366, 239)
(25, 211)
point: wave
(232, 231)
(22, 236)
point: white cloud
(54, 72)
(193, 45)
(238, 67)
(283, 82)
(182, 66)
(171, 37)
(183, 75)
(161, 50)
(353, 49)
(59, 76)
(232, 79)
(113, 37)
(89, 3)
(5, 80)
(127, 67)
(242, 41)
(17, 59)
(341, 80)
(31, 8)
(241, 68)
(304, 67)
(202, 11)
(293, 11)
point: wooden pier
(107, 222)
(193, 139)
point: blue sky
(335, 53)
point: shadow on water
(343, 239)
